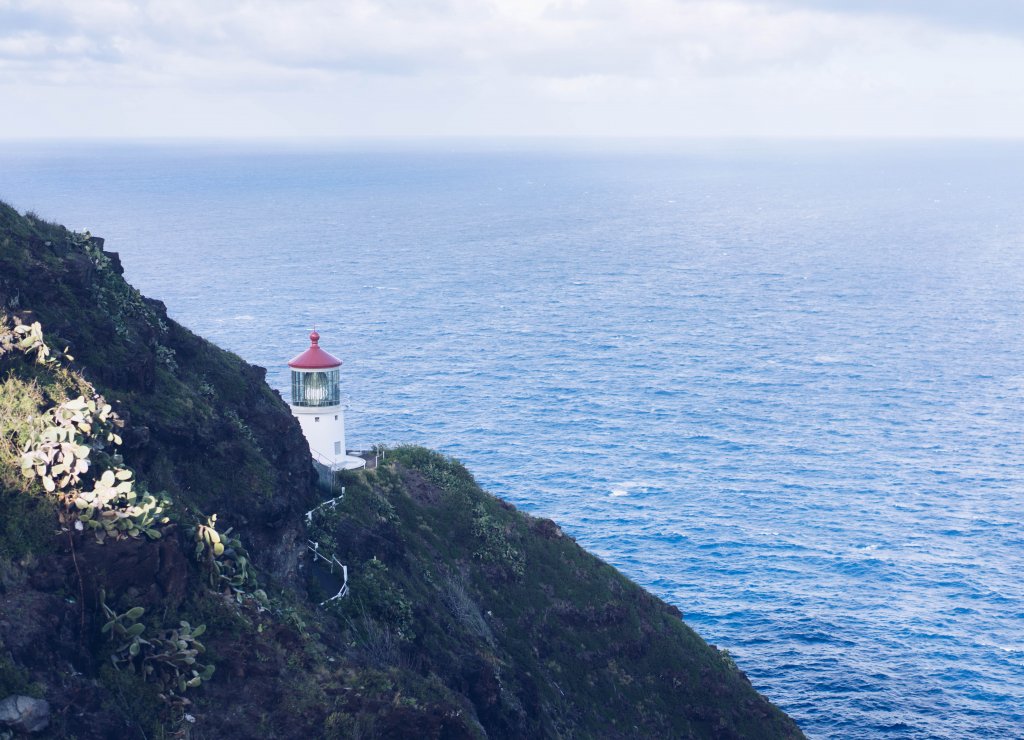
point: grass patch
(29, 519)
(15, 680)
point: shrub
(169, 658)
(20, 402)
(58, 446)
(225, 561)
(495, 546)
(376, 595)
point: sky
(302, 69)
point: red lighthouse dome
(314, 358)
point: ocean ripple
(789, 404)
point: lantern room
(316, 387)
(316, 376)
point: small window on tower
(316, 418)
(335, 417)
(337, 448)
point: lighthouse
(316, 403)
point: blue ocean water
(781, 385)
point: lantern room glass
(320, 388)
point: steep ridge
(466, 618)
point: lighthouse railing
(333, 565)
(332, 503)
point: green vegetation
(184, 394)
(225, 562)
(65, 452)
(509, 606)
(465, 618)
(28, 521)
(169, 658)
(64, 447)
(15, 680)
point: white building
(316, 403)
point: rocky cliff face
(201, 423)
(466, 618)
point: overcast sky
(335, 68)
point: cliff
(133, 613)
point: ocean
(781, 385)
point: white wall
(324, 427)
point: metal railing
(332, 564)
(333, 503)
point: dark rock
(135, 437)
(153, 573)
(159, 306)
(25, 714)
(547, 529)
(79, 270)
(420, 489)
(31, 641)
(115, 262)
(415, 722)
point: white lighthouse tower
(316, 403)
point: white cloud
(1002, 17)
(400, 67)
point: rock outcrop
(24, 714)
